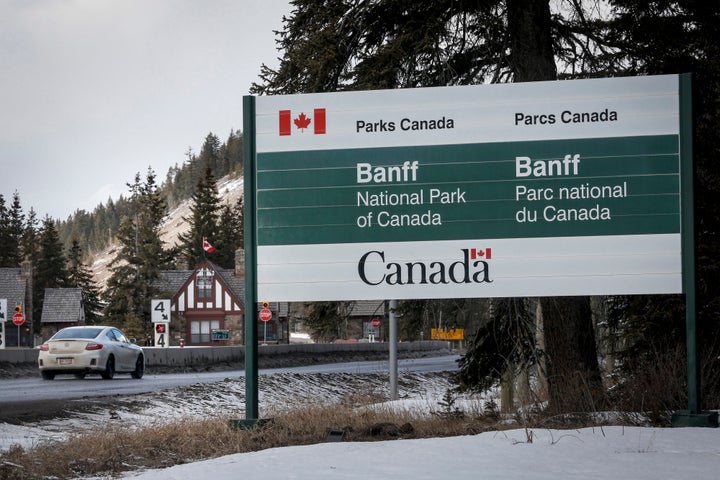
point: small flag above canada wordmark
(480, 253)
(302, 121)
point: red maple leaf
(302, 121)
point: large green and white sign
(534, 189)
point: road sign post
(18, 319)
(265, 316)
(374, 327)
(3, 318)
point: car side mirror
(132, 340)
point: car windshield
(90, 332)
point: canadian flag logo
(476, 253)
(302, 121)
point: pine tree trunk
(530, 31)
(573, 374)
(507, 390)
(542, 387)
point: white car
(90, 349)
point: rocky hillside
(229, 188)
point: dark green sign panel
(578, 187)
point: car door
(125, 354)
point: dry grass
(360, 417)
(116, 449)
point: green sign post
(694, 416)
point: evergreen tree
(80, 276)
(29, 244)
(123, 294)
(504, 338)
(139, 259)
(5, 238)
(189, 174)
(232, 154)
(330, 45)
(16, 225)
(210, 153)
(11, 230)
(230, 236)
(51, 270)
(327, 321)
(203, 222)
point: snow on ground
(608, 453)
(226, 399)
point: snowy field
(608, 453)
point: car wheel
(109, 372)
(139, 368)
(47, 375)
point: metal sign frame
(643, 228)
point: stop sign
(265, 314)
(18, 319)
(375, 323)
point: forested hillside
(95, 230)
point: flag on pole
(207, 247)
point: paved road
(31, 391)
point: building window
(201, 330)
(204, 284)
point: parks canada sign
(533, 189)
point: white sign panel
(512, 112)
(533, 189)
(160, 311)
(537, 267)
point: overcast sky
(93, 91)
